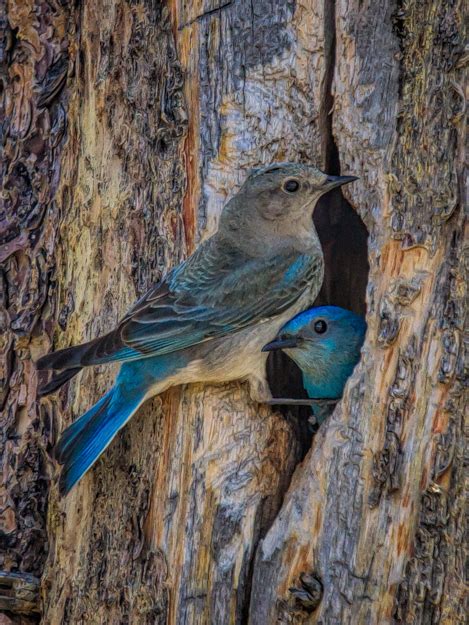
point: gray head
(279, 198)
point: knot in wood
(307, 596)
(19, 593)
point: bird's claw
(259, 390)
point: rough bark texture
(33, 65)
(375, 510)
(126, 126)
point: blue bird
(208, 319)
(325, 343)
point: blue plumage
(86, 439)
(325, 343)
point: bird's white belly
(239, 355)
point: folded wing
(205, 298)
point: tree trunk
(127, 126)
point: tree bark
(127, 127)
(375, 511)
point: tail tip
(57, 381)
(66, 483)
(41, 363)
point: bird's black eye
(320, 326)
(291, 186)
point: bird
(208, 318)
(325, 343)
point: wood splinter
(19, 593)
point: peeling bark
(375, 510)
(127, 125)
(33, 71)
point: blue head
(325, 343)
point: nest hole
(344, 239)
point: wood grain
(369, 512)
(127, 127)
(211, 474)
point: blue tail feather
(86, 439)
(64, 448)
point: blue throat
(328, 387)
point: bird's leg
(259, 390)
(285, 401)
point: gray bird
(209, 318)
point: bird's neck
(320, 380)
(263, 239)
(323, 388)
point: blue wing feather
(207, 297)
(232, 303)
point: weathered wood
(33, 69)
(19, 593)
(211, 473)
(375, 510)
(128, 125)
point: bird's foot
(259, 390)
(286, 401)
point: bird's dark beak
(337, 181)
(281, 344)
